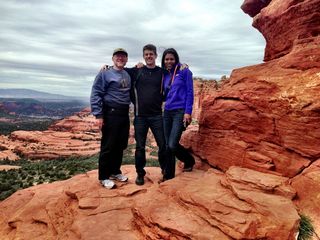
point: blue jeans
(141, 127)
(173, 128)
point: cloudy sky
(58, 46)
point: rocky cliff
(266, 117)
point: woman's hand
(187, 119)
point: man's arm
(97, 94)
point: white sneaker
(108, 183)
(119, 177)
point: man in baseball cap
(120, 50)
(110, 99)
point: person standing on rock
(110, 99)
(147, 97)
(178, 91)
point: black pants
(173, 128)
(141, 127)
(115, 134)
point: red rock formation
(253, 7)
(74, 136)
(8, 167)
(287, 26)
(202, 89)
(266, 117)
(80, 122)
(241, 204)
(307, 185)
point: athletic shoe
(107, 183)
(187, 169)
(119, 177)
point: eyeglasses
(120, 56)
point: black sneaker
(140, 180)
(187, 168)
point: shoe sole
(139, 184)
(187, 169)
(114, 186)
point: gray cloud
(58, 46)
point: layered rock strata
(266, 117)
(73, 136)
(240, 204)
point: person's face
(150, 57)
(120, 60)
(169, 61)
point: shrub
(306, 228)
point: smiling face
(169, 61)
(150, 58)
(119, 60)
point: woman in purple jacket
(178, 89)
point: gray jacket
(110, 88)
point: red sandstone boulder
(241, 204)
(266, 117)
(202, 89)
(253, 7)
(287, 24)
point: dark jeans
(173, 128)
(141, 127)
(115, 133)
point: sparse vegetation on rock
(33, 173)
(306, 229)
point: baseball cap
(120, 50)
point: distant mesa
(28, 93)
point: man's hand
(139, 65)
(187, 119)
(104, 68)
(99, 123)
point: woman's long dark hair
(173, 52)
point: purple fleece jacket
(180, 95)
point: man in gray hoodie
(110, 99)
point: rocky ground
(260, 128)
(238, 204)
